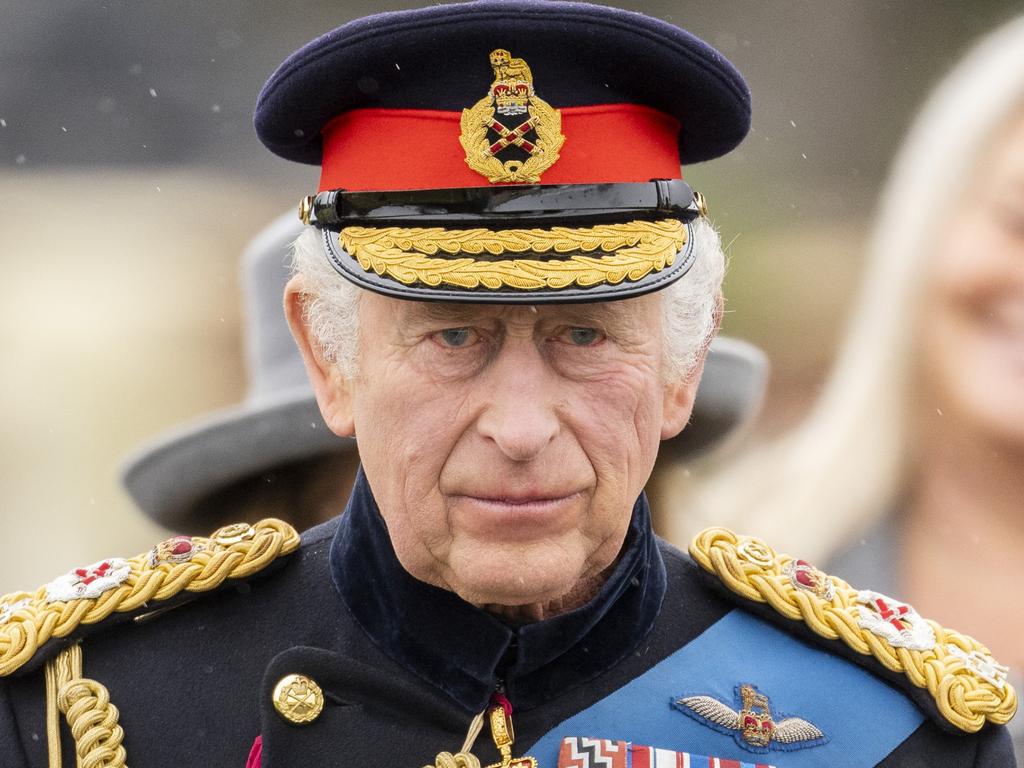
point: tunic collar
(467, 652)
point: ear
(677, 404)
(334, 392)
(679, 396)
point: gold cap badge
(513, 122)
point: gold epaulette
(968, 685)
(88, 595)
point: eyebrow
(448, 311)
(456, 312)
(608, 311)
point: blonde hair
(689, 305)
(838, 472)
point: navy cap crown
(437, 58)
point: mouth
(540, 501)
(490, 513)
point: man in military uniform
(506, 292)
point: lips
(538, 502)
(518, 497)
(492, 513)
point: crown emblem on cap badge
(513, 122)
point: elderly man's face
(506, 445)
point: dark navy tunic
(405, 666)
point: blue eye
(455, 337)
(584, 337)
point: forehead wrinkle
(608, 311)
(584, 312)
(440, 310)
(603, 313)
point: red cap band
(394, 149)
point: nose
(519, 395)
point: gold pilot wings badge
(754, 725)
(511, 135)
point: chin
(514, 578)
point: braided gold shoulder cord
(754, 571)
(234, 552)
(90, 715)
(36, 620)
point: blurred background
(130, 181)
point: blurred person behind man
(269, 456)
(909, 471)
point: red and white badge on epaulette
(89, 582)
(579, 752)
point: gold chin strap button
(306, 209)
(702, 203)
(298, 699)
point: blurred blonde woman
(908, 474)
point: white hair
(331, 302)
(833, 476)
(690, 305)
